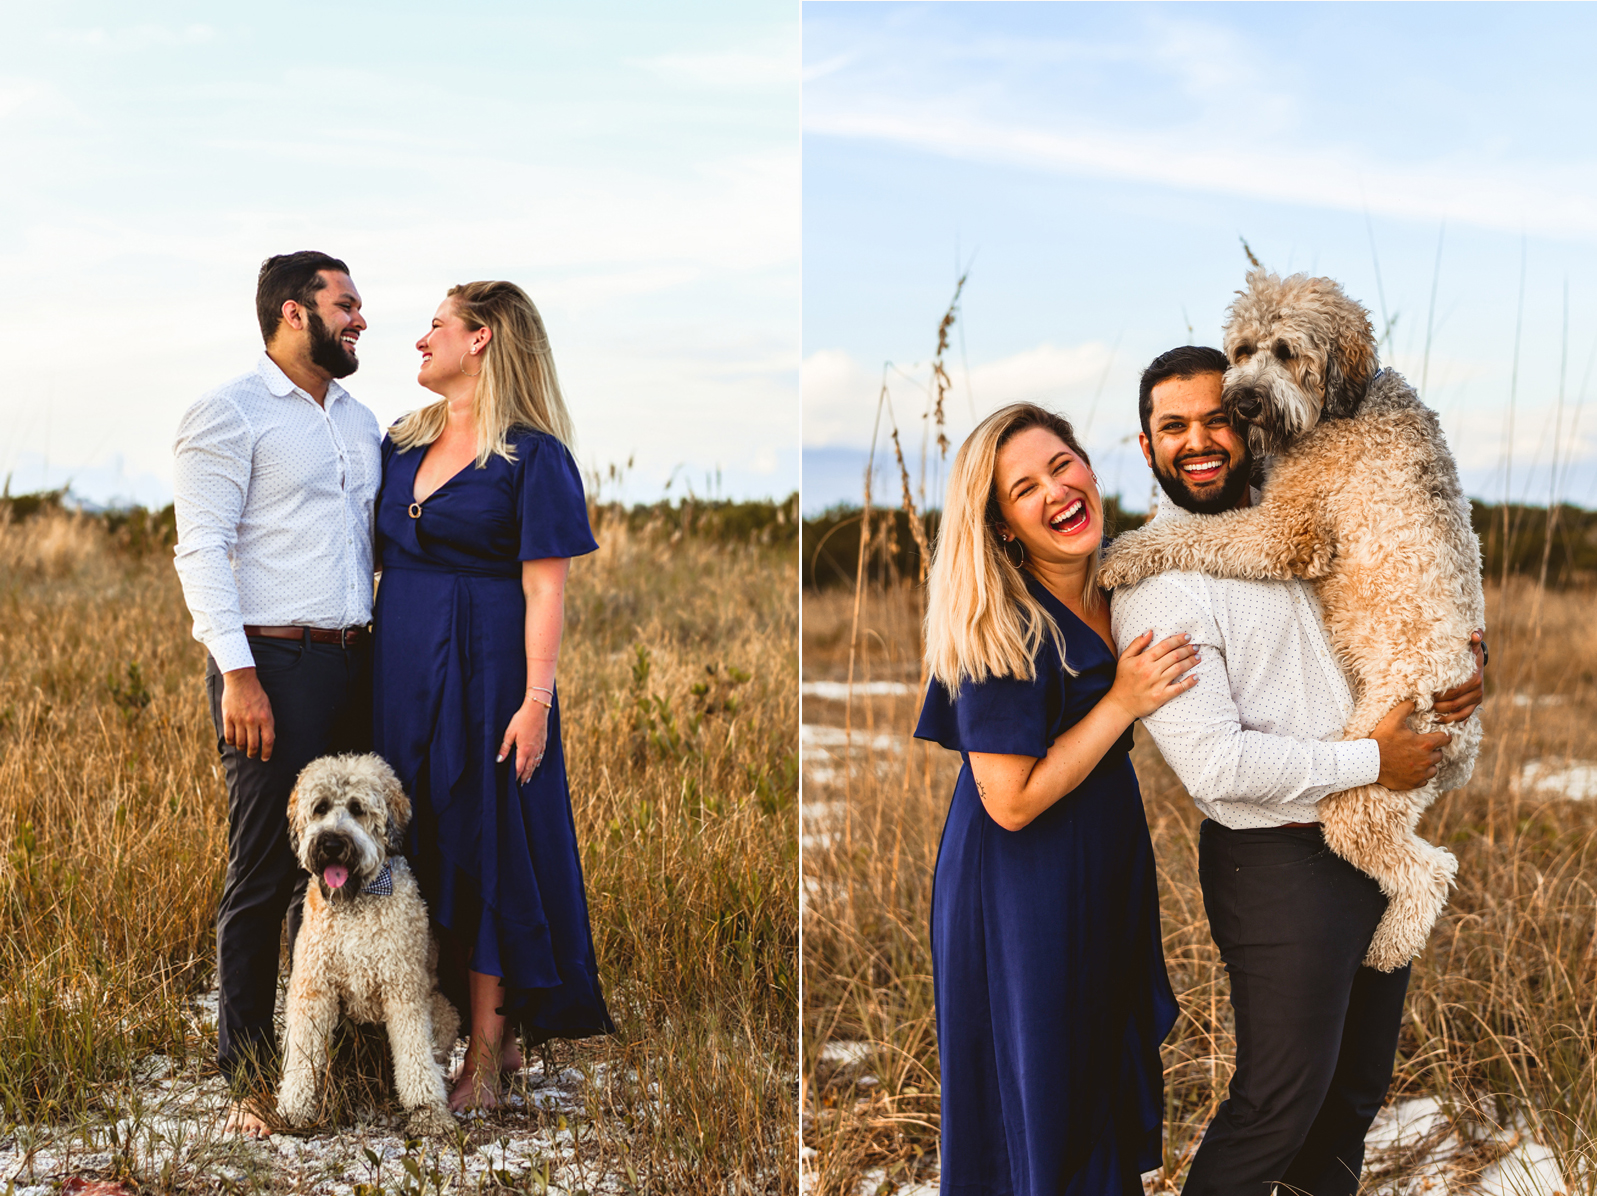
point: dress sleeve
(1005, 715)
(550, 501)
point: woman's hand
(1148, 677)
(528, 733)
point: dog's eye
(320, 808)
(1242, 352)
(1283, 351)
(354, 809)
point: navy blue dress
(496, 860)
(1047, 964)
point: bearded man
(1258, 742)
(275, 478)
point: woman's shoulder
(521, 434)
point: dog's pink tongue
(335, 876)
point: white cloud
(1552, 200)
(840, 395)
(733, 70)
(16, 94)
(1040, 375)
(132, 39)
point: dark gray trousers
(321, 703)
(1316, 1030)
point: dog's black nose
(1246, 404)
(331, 848)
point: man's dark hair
(1186, 362)
(295, 276)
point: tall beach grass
(1502, 1011)
(678, 681)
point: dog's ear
(296, 821)
(398, 812)
(1350, 364)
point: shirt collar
(1169, 510)
(282, 386)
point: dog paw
(431, 1121)
(1385, 955)
(1131, 557)
(295, 1113)
(1121, 567)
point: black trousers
(321, 703)
(1316, 1030)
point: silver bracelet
(534, 689)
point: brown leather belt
(344, 637)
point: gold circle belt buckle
(415, 510)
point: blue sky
(1096, 164)
(634, 166)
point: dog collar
(381, 885)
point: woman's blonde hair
(518, 387)
(981, 620)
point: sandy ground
(166, 1134)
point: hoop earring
(1010, 557)
(463, 357)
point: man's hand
(1457, 704)
(247, 714)
(1408, 759)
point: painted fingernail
(500, 758)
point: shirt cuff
(1358, 762)
(231, 650)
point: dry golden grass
(679, 685)
(1502, 1011)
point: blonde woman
(1051, 992)
(480, 512)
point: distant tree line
(1571, 554)
(760, 521)
(831, 542)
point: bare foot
(472, 1091)
(511, 1059)
(245, 1121)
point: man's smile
(1203, 469)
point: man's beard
(1176, 489)
(327, 351)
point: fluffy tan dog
(1363, 497)
(364, 946)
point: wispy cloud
(131, 39)
(731, 70)
(1555, 201)
(840, 394)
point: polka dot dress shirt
(274, 497)
(1257, 742)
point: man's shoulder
(227, 401)
(1165, 588)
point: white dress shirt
(274, 496)
(1257, 742)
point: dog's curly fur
(370, 955)
(1363, 498)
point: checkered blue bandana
(381, 885)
